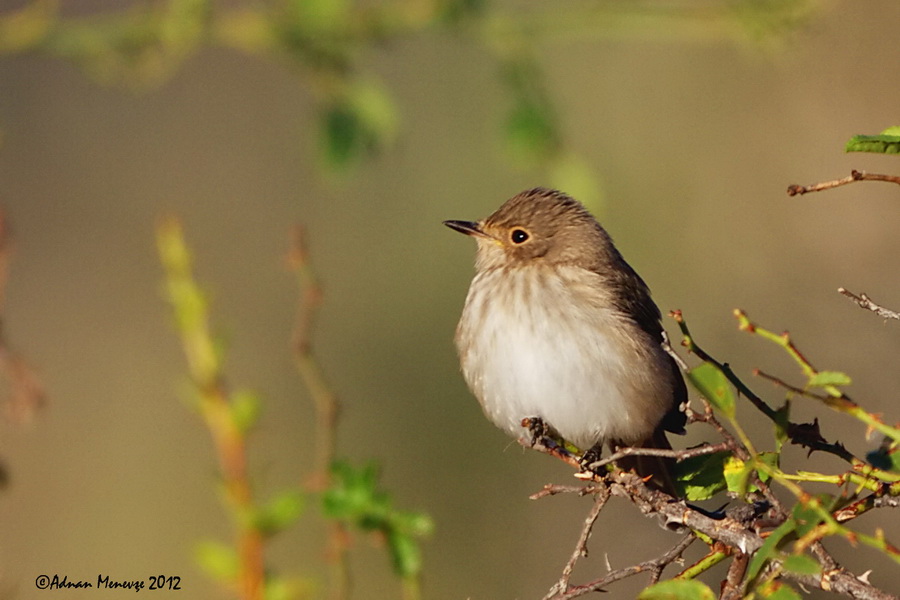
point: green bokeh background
(694, 143)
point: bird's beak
(467, 227)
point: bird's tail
(660, 470)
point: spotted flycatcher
(557, 328)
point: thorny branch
(795, 190)
(738, 535)
(734, 534)
(723, 367)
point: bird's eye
(518, 236)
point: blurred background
(681, 127)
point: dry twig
(325, 401)
(865, 302)
(795, 190)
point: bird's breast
(549, 342)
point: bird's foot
(590, 456)
(541, 434)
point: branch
(653, 566)
(841, 403)
(723, 367)
(562, 586)
(795, 190)
(215, 403)
(678, 455)
(26, 392)
(727, 530)
(840, 581)
(865, 302)
(325, 401)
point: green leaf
(320, 16)
(778, 590)
(769, 548)
(887, 142)
(360, 121)
(885, 458)
(677, 589)
(294, 588)
(701, 477)
(280, 513)
(218, 560)
(714, 386)
(354, 497)
(530, 132)
(405, 554)
(245, 409)
(737, 473)
(826, 378)
(769, 458)
(782, 422)
(807, 516)
(23, 28)
(803, 564)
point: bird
(558, 329)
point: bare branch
(865, 302)
(654, 502)
(732, 588)
(678, 455)
(562, 586)
(653, 566)
(795, 190)
(326, 403)
(840, 581)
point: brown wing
(634, 300)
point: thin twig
(562, 586)
(841, 403)
(865, 302)
(326, 404)
(794, 190)
(26, 392)
(678, 455)
(723, 367)
(653, 566)
(325, 400)
(552, 489)
(863, 505)
(709, 417)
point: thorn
(865, 577)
